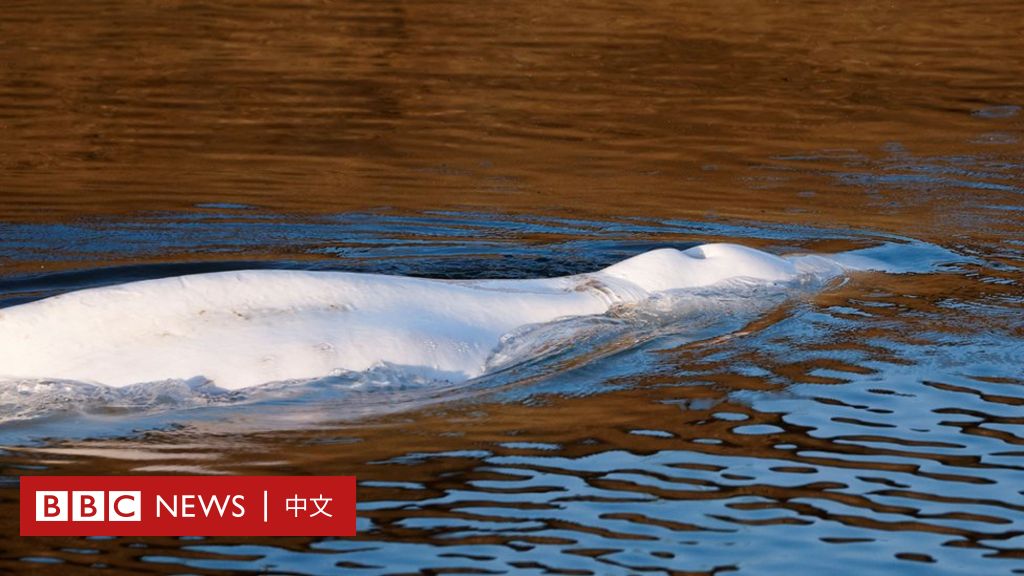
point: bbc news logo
(188, 506)
(88, 506)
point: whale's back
(245, 328)
(704, 265)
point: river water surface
(875, 425)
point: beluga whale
(241, 329)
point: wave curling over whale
(246, 328)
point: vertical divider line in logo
(264, 506)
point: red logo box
(188, 506)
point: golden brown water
(873, 427)
(662, 108)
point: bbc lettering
(88, 506)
